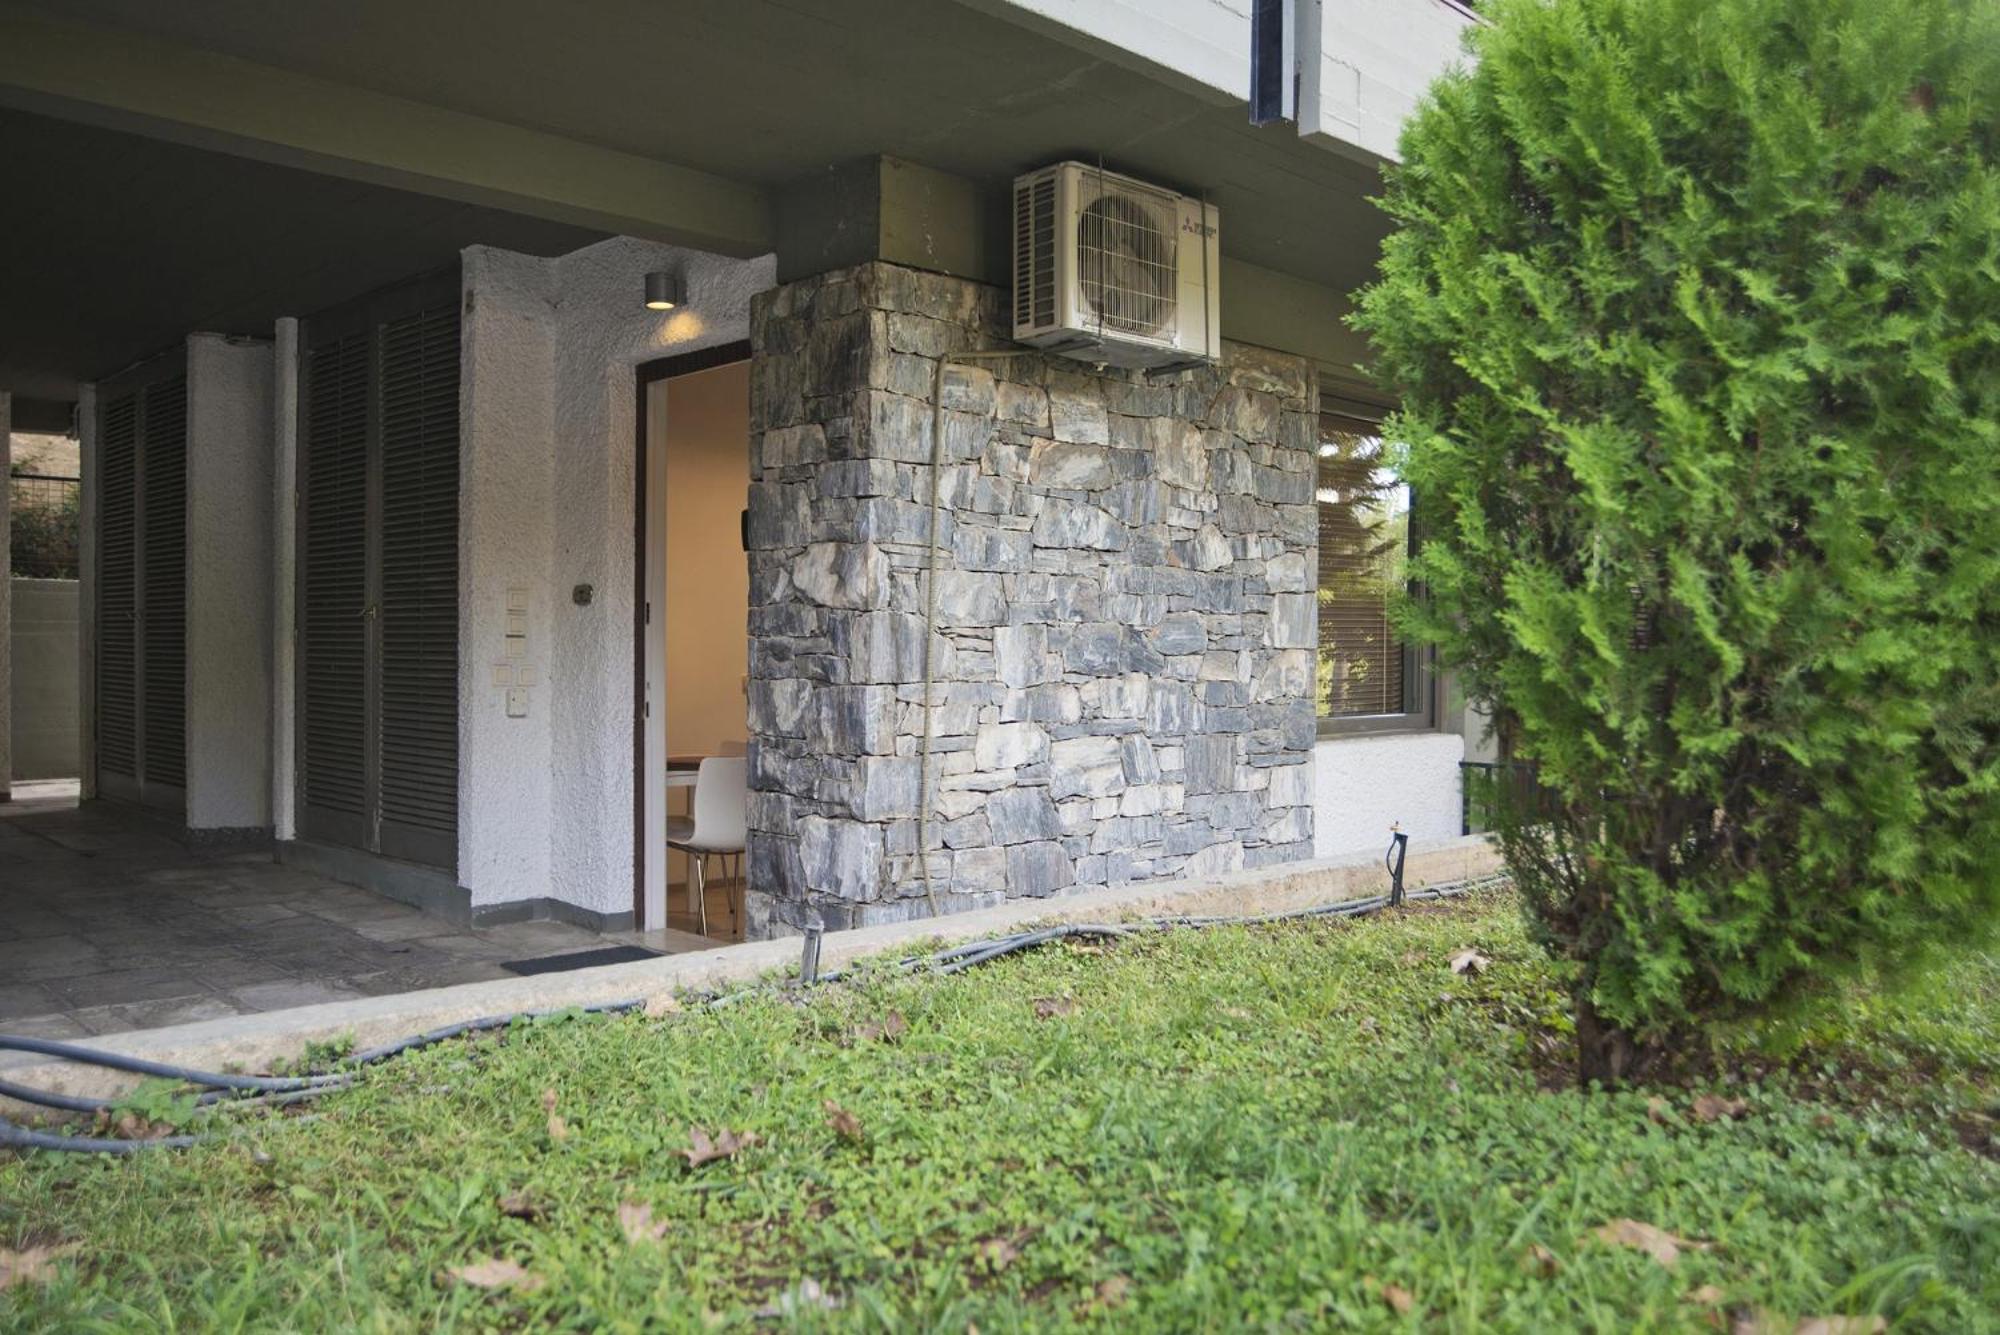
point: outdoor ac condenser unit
(1112, 270)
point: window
(1367, 679)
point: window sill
(1362, 729)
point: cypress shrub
(1693, 310)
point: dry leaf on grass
(1540, 1262)
(558, 1128)
(636, 1222)
(1755, 1322)
(998, 1252)
(1237, 1013)
(497, 1273)
(893, 1026)
(30, 1265)
(1469, 961)
(1713, 1107)
(701, 1149)
(806, 1294)
(1657, 1111)
(520, 1205)
(1708, 1295)
(659, 1004)
(1657, 1243)
(1113, 1292)
(1398, 1298)
(1048, 1008)
(844, 1123)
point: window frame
(1419, 664)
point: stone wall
(1123, 655)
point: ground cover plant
(1693, 311)
(1295, 1127)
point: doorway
(692, 633)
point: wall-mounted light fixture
(664, 290)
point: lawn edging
(254, 1042)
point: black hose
(279, 1090)
(118, 1061)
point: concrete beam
(141, 84)
(883, 208)
(1276, 310)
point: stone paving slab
(107, 926)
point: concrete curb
(253, 1042)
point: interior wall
(705, 621)
(549, 389)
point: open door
(691, 658)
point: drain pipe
(930, 592)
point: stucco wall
(44, 644)
(1363, 785)
(547, 410)
(228, 574)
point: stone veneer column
(1124, 653)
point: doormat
(580, 959)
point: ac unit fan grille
(1128, 275)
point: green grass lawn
(1287, 1127)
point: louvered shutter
(419, 583)
(378, 575)
(333, 589)
(117, 604)
(1364, 543)
(163, 617)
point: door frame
(649, 559)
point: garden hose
(225, 1090)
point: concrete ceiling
(762, 92)
(113, 247)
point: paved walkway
(108, 924)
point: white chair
(720, 825)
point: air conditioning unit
(1112, 270)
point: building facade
(386, 572)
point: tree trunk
(1605, 1054)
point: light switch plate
(503, 674)
(517, 702)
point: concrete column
(6, 598)
(228, 596)
(86, 591)
(506, 543)
(284, 555)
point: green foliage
(1694, 311)
(168, 1103)
(45, 523)
(1231, 1130)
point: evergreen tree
(1693, 308)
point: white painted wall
(1363, 785)
(1362, 64)
(229, 562)
(284, 590)
(548, 402)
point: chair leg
(698, 876)
(736, 897)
